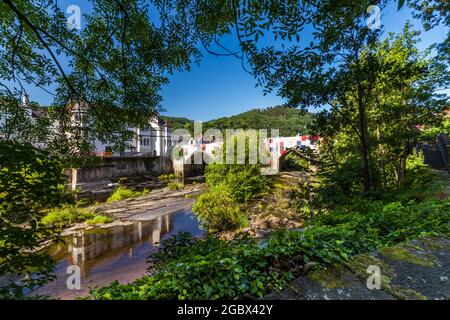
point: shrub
(243, 181)
(229, 186)
(175, 186)
(431, 132)
(69, 214)
(123, 193)
(66, 215)
(99, 219)
(217, 211)
(293, 162)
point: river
(116, 253)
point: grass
(99, 219)
(123, 193)
(69, 214)
(165, 177)
(175, 186)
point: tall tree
(115, 65)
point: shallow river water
(116, 253)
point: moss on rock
(401, 253)
(359, 264)
(329, 277)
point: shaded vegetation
(188, 268)
(30, 181)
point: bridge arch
(281, 163)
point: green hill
(289, 121)
(179, 123)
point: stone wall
(119, 167)
(187, 168)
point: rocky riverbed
(157, 203)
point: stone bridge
(196, 156)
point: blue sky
(219, 86)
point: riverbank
(119, 250)
(157, 203)
(245, 267)
(417, 270)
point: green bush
(243, 181)
(66, 215)
(123, 193)
(175, 186)
(431, 132)
(217, 211)
(293, 162)
(99, 219)
(229, 186)
(69, 214)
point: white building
(153, 139)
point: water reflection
(116, 253)
(86, 246)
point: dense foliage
(188, 268)
(30, 180)
(115, 65)
(288, 120)
(230, 186)
(430, 132)
(216, 210)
